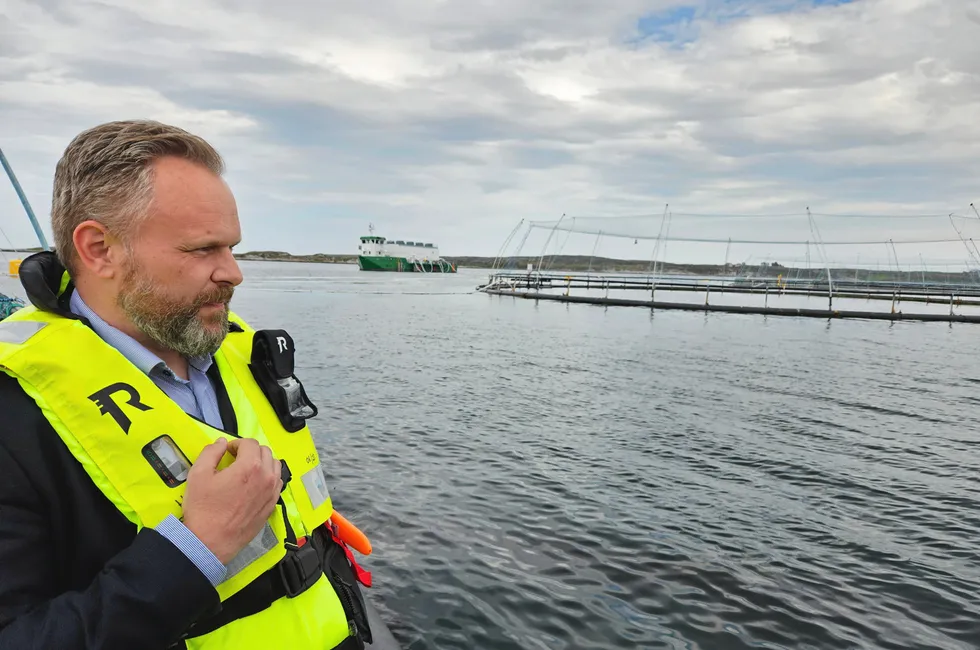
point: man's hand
(226, 508)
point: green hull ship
(397, 256)
(403, 265)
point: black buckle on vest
(300, 568)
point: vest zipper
(347, 601)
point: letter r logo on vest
(281, 340)
(103, 399)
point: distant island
(558, 262)
(580, 263)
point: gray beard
(174, 326)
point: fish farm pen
(896, 281)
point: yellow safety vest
(113, 419)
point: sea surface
(539, 475)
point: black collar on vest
(41, 274)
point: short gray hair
(105, 175)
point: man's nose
(228, 271)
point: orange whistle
(350, 533)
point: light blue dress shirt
(195, 396)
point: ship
(380, 254)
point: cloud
(450, 121)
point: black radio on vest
(273, 360)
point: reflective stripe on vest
(111, 416)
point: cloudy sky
(450, 121)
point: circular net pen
(809, 264)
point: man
(159, 487)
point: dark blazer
(74, 574)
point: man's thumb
(211, 455)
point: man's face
(181, 273)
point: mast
(24, 201)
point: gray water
(562, 476)
(538, 475)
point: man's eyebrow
(209, 243)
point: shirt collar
(129, 347)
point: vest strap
(269, 587)
(362, 576)
(303, 565)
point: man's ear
(99, 251)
